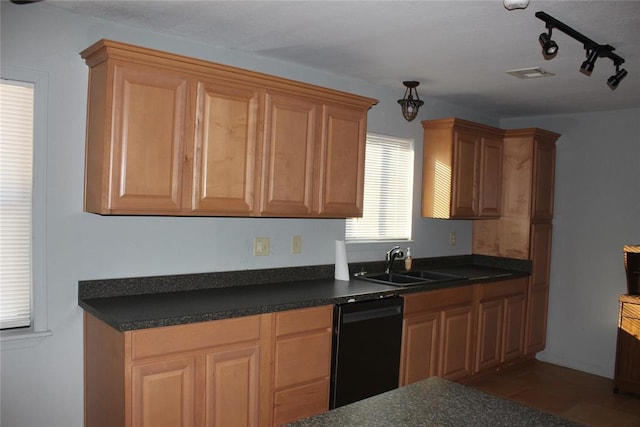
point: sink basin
(433, 275)
(392, 279)
(410, 278)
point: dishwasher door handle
(374, 313)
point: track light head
(615, 80)
(588, 65)
(549, 47)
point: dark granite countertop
(433, 402)
(147, 302)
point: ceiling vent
(530, 73)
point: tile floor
(580, 397)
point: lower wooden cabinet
(500, 323)
(250, 371)
(437, 335)
(302, 363)
(201, 374)
(627, 372)
(460, 332)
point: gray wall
(597, 212)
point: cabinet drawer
(503, 288)
(437, 299)
(172, 339)
(306, 319)
(302, 358)
(630, 326)
(630, 310)
(299, 402)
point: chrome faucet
(392, 254)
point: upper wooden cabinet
(528, 183)
(462, 170)
(171, 135)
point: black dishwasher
(367, 337)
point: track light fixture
(410, 103)
(587, 66)
(593, 50)
(549, 47)
(616, 78)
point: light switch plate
(261, 246)
(296, 244)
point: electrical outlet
(261, 246)
(296, 244)
(452, 238)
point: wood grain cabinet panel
(302, 363)
(171, 135)
(341, 167)
(462, 170)
(226, 141)
(627, 370)
(420, 334)
(500, 322)
(456, 352)
(232, 388)
(200, 374)
(437, 335)
(490, 327)
(163, 393)
(288, 155)
(136, 139)
(524, 230)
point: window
(388, 191)
(22, 293)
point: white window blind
(16, 187)
(388, 191)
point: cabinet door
(419, 347)
(490, 329)
(164, 393)
(515, 311)
(543, 179)
(538, 292)
(465, 173)
(232, 387)
(490, 178)
(340, 169)
(148, 141)
(225, 149)
(456, 343)
(288, 155)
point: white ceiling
(458, 50)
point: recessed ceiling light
(530, 73)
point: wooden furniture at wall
(437, 335)
(302, 363)
(525, 227)
(462, 169)
(172, 135)
(249, 371)
(188, 375)
(627, 371)
(500, 323)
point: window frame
(34, 334)
(410, 174)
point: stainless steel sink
(410, 278)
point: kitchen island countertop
(433, 402)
